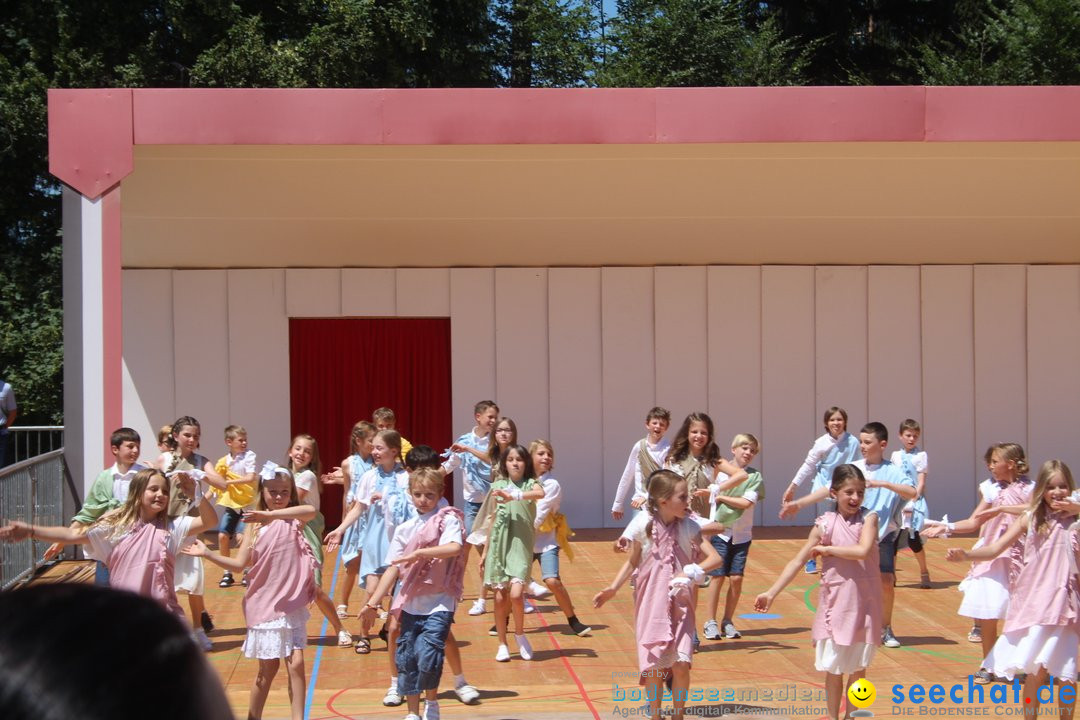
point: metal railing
(32, 440)
(33, 491)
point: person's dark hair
(123, 435)
(680, 446)
(876, 429)
(422, 456)
(842, 473)
(523, 453)
(829, 412)
(44, 676)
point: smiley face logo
(862, 693)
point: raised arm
(621, 577)
(991, 551)
(16, 531)
(789, 509)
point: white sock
(459, 680)
(393, 681)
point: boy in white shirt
(646, 457)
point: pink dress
(280, 587)
(986, 587)
(143, 560)
(1041, 628)
(847, 625)
(664, 625)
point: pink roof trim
(91, 132)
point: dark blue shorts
(887, 552)
(232, 522)
(733, 556)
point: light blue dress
(919, 509)
(350, 543)
(846, 450)
(382, 516)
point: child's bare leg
(517, 605)
(297, 683)
(732, 600)
(370, 583)
(413, 701)
(352, 570)
(223, 544)
(654, 691)
(680, 686)
(834, 691)
(1031, 692)
(888, 593)
(326, 606)
(198, 607)
(989, 635)
(502, 610)
(261, 687)
(453, 655)
(392, 633)
(712, 597)
(561, 596)
(1065, 709)
(852, 679)
(920, 557)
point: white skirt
(188, 574)
(842, 659)
(1024, 651)
(985, 597)
(276, 639)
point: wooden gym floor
(769, 671)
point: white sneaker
(467, 694)
(524, 648)
(479, 607)
(412, 716)
(203, 641)
(503, 654)
(529, 608)
(537, 590)
(392, 698)
(431, 710)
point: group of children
(692, 527)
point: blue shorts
(732, 555)
(232, 522)
(471, 509)
(549, 563)
(887, 552)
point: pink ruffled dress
(280, 587)
(664, 625)
(986, 587)
(143, 560)
(847, 625)
(1041, 628)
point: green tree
(1024, 42)
(544, 43)
(657, 43)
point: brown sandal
(363, 647)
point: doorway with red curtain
(340, 369)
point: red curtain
(341, 369)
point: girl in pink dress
(281, 584)
(137, 540)
(1042, 626)
(665, 561)
(847, 625)
(986, 587)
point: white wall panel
(149, 400)
(1000, 354)
(576, 374)
(734, 311)
(472, 346)
(368, 292)
(423, 292)
(521, 358)
(259, 359)
(681, 336)
(201, 352)
(313, 292)
(789, 416)
(894, 339)
(628, 370)
(1053, 347)
(948, 389)
(840, 345)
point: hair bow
(270, 469)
